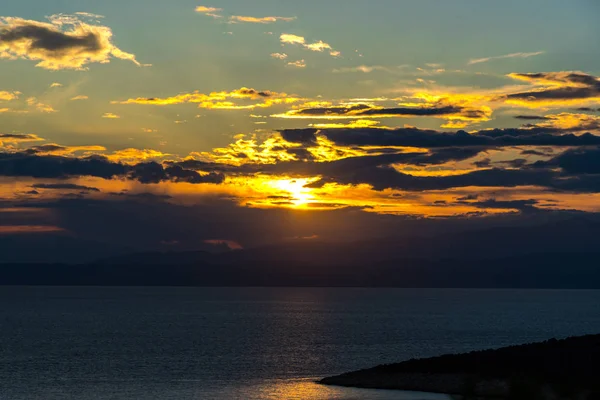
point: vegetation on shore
(553, 369)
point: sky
(264, 120)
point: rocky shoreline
(554, 369)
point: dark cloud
(45, 148)
(531, 117)
(380, 175)
(567, 86)
(64, 186)
(468, 197)
(65, 42)
(578, 161)
(353, 165)
(485, 163)
(524, 206)
(516, 163)
(43, 38)
(304, 136)
(18, 136)
(254, 92)
(413, 137)
(365, 110)
(538, 152)
(142, 196)
(19, 164)
(58, 167)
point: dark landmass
(558, 254)
(567, 271)
(565, 369)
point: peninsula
(554, 369)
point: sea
(158, 343)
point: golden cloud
(209, 11)
(259, 20)
(219, 100)
(8, 96)
(134, 156)
(555, 89)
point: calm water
(198, 343)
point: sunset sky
(244, 122)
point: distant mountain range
(559, 254)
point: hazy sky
(410, 108)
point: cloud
(64, 186)
(231, 244)
(362, 111)
(110, 116)
(219, 100)
(524, 206)
(259, 20)
(56, 149)
(79, 97)
(422, 138)
(369, 68)
(8, 96)
(39, 106)
(577, 161)
(59, 167)
(319, 46)
(359, 123)
(209, 11)
(65, 42)
(297, 64)
(531, 117)
(134, 156)
(28, 229)
(280, 56)
(288, 38)
(11, 139)
(555, 89)
(512, 55)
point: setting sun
(299, 194)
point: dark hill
(567, 367)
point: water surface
(254, 343)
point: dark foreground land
(554, 369)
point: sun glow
(299, 195)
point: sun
(296, 189)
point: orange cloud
(232, 244)
(134, 156)
(28, 229)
